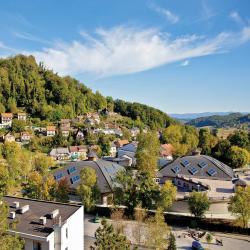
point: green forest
(44, 94)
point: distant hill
(190, 116)
(221, 121)
(46, 95)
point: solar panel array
(193, 170)
(176, 169)
(71, 170)
(59, 176)
(212, 172)
(202, 164)
(185, 163)
(74, 179)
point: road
(230, 242)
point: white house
(51, 131)
(47, 225)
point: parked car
(196, 245)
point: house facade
(45, 225)
(6, 118)
(21, 116)
(51, 131)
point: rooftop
(29, 221)
(105, 172)
(198, 166)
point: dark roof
(105, 172)
(28, 222)
(198, 166)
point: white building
(47, 225)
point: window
(37, 245)
(58, 176)
(176, 169)
(193, 170)
(75, 179)
(185, 163)
(157, 180)
(212, 172)
(71, 170)
(202, 164)
(67, 233)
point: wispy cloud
(30, 37)
(234, 15)
(125, 50)
(185, 63)
(170, 16)
(207, 11)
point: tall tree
(147, 152)
(198, 203)
(240, 205)
(167, 195)
(87, 189)
(240, 139)
(238, 157)
(158, 231)
(107, 238)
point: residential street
(230, 242)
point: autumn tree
(158, 231)
(107, 238)
(63, 188)
(42, 163)
(240, 205)
(87, 189)
(198, 203)
(238, 157)
(240, 139)
(18, 126)
(167, 195)
(7, 241)
(147, 152)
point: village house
(60, 153)
(79, 135)
(78, 152)
(134, 131)
(166, 151)
(6, 118)
(46, 225)
(120, 143)
(9, 138)
(51, 131)
(21, 116)
(65, 130)
(25, 136)
(113, 149)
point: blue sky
(179, 56)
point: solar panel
(212, 172)
(203, 164)
(71, 170)
(58, 176)
(74, 179)
(185, 163)
(193, 170)
(176, 169)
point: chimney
(54, 213)
(15, 204)
(24, 209)
(42, 220)
(12, 215)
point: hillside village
(54, 165)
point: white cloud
(123, 50)
(171, 17)
(185, 63)
(234, 15)
(30, 37)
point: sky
(175, 55)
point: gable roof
(105, 172)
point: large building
(47, 225)
(200, 173)
(105, 173)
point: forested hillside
(44, 94)
(218, 121)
